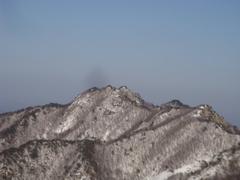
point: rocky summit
(113, 134)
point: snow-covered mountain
(113, 134)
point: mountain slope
(130, 139)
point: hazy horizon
(50, 51)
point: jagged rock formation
(113, 134)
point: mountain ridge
(131, 138)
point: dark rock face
(113, 134)
(175, 104)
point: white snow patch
(164, 175)
(66, 124)
(44, 136)
(187, 168)
(164, 115)
(106, 135)
(184, 169)
(197, 114)
(82, 101)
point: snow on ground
(69, 123)
(164, 175)
(105, 137)
(184, 169)
(164, 116)
(198, 113)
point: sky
(51, 51)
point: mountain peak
(175, 103)
(129, 139)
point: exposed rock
(112, 133)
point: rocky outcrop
(112, 133)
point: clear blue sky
(50, 51)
